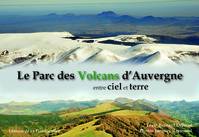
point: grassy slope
(128, 113)
(88, 130)
(85, 130)
(108, 106)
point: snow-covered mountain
(62, 47)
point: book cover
(88, 68)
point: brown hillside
(153, 124)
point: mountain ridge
(107, 22)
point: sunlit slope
(85, 130)
(128, 113)
(101, 108)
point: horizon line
(76, 100)
(97, 13)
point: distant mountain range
(187, 111)
(107, 16)
(43, 107)
(105, 23)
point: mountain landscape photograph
(100, 118)
(149, 36)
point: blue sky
(131, 7)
